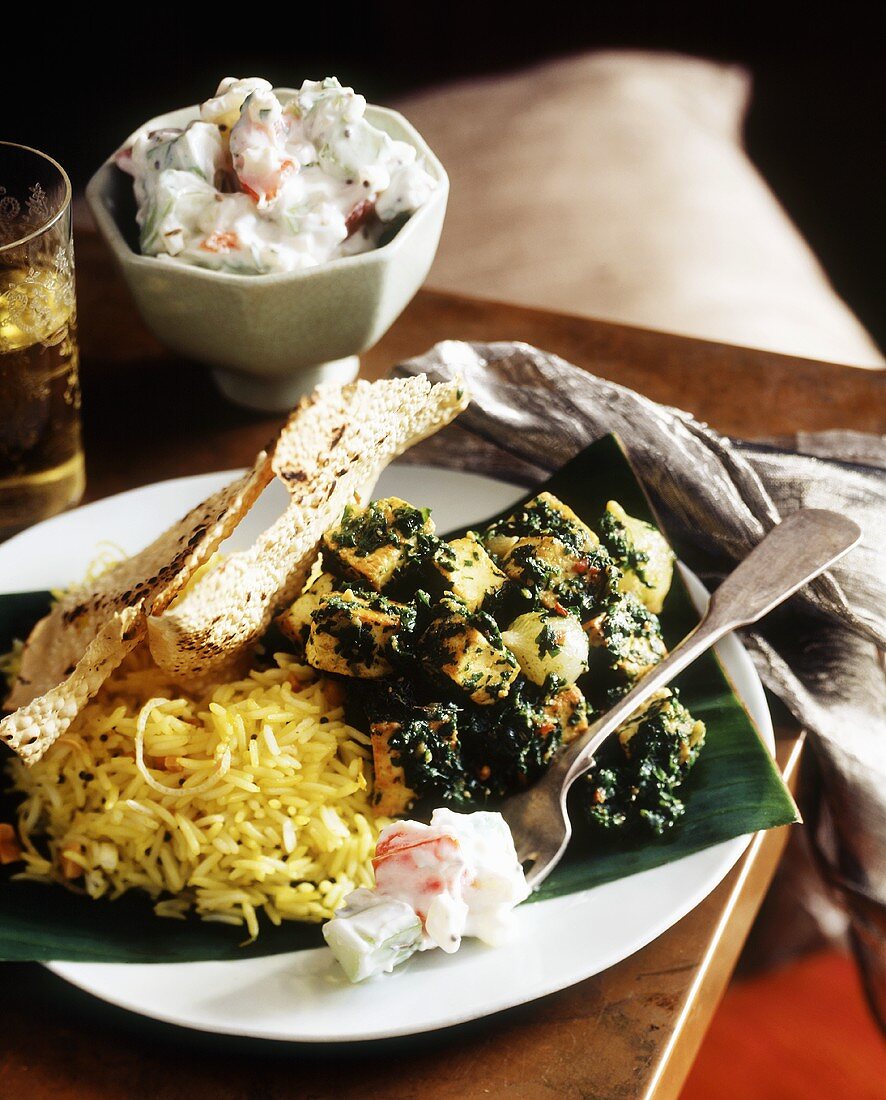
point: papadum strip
(150, 579)
(32, 728)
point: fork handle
(803, 545)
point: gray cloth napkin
(821, 654)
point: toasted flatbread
(31, 729)
(72, 651)
(339, 440)
(150, 579)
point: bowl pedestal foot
(281, 393)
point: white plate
(301, 996)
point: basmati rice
(252, 798)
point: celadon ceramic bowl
(269, 339)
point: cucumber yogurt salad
(260, 184)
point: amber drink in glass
(41, 458)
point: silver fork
(791, 555)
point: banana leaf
(734, 789)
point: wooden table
(630, 1032)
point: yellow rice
(255, 796)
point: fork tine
(539, 826)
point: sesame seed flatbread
(32, 728)
(150, 579)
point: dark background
(815, 129)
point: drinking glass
(41, 457)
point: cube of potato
(295, 621)
(576, 580)
(391, 796)
(466, 570)
(372, 544)
(641, 552)
(567, 710)
(663, 713)
(477, 662)
(629, 728)
(351, 636)
(628, 636)
(539, 562)
(543, 515)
